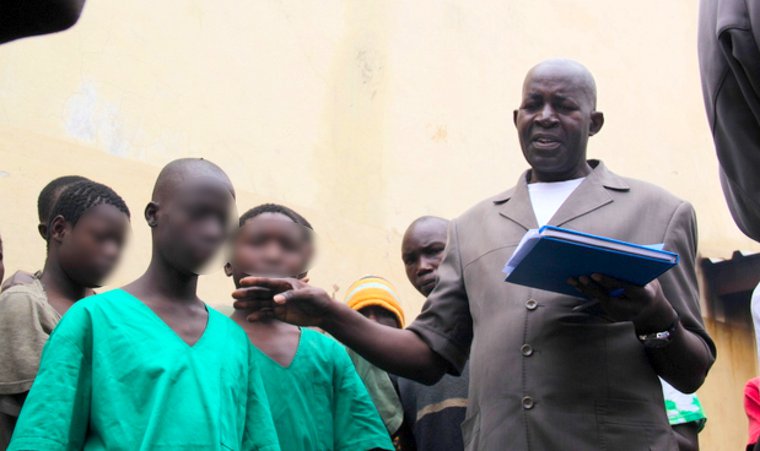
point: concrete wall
(361, 115)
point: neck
(542, 177)
(163, 280)
(59, 285)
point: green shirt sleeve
(357, 423)
(381, 390)
(56, 412)
(259, 433)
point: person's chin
(426, 288)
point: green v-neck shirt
(115, 376)
(319, 402)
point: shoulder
(321, 340)
(227, 326)
(101, 305)
(325, 346)
(100, 302)
(657, 204)
(22, 298)
(481, 211)
(645, 191)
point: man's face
(422, 252)
(270, 244)
(554, 121)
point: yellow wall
(361, 115)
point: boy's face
(380, 316)
(270, 244)
(89, 251)
(422, 252)
(193, 222)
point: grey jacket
(729, 62)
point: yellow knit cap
(375, 291)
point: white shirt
(546, 198)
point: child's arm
(259, 433)
(57, 411)
(356, 421)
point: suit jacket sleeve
(445, 323)
(680, 283)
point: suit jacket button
(527, 403)
(531, 304)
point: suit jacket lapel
(515, 205)
(590, 195)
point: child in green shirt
(318, 401)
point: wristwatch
(658, 340)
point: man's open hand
(646, 306)
(287, 299)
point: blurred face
(422, 252)
(554, 121)
(192, 223)
(89, 251)
(380, 316)
(270, 244)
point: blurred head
(87, 232)
(422, 251)
(191, 213)
(555, 119)
(49, 196)
(376, 298)
(273, 240)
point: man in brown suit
(547, 371)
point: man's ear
(514, 117)
(228, 269)
(597, 121)
(43, 230)
(58, 228)
(151, 214)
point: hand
(645, 306)
(290, 300)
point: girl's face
(270, 244)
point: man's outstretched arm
(397, 351)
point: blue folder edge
(537, 237)
(655, 247)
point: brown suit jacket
(543, 377)
(729, 62)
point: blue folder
(547, 257)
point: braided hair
(275, 208)
(81, 196)
(51, 192)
